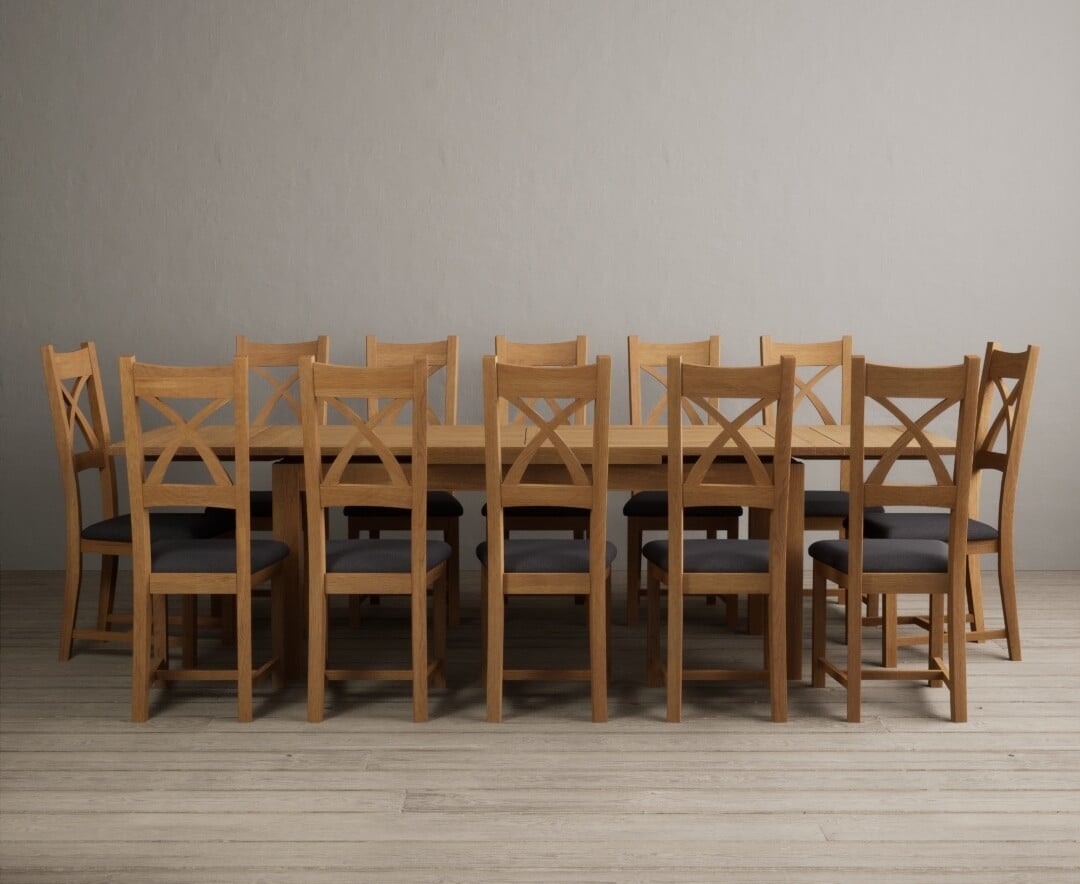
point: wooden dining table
(637, 462)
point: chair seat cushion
(925, 526)
(214, 556)
(830, 505)
(655, 503)
(541, 512)
(440, 504)
(378, 556)
(163, 526)
(719, 556)
(886, 556)
(546, 556)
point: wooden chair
(404, 567)
(71, 378)
(1008, 382)
(550, 355)
(194, 567)
(546, 472)
(914, 397)
(824, 509)
(648, 510)
(444, 510)
(718, 566)
(263, 359)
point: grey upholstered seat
(830, 505)
(655, 503)
(924, 526)
(722, 556)
(216, 556)
(440, 504)
(164, 526)
(543, 556)
(378, 556)
(886, 556)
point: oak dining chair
(81, 428)
(727, 473)
(546, 471)
(188, 399)
(648, 510)
(914, 397)
(444, 510)
(1005, 391)
(364, 566)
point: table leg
(288, 528)
(795, 539)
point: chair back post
(80, 366)
(493, 467)
(599, 473)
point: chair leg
(72, 583)
(244, 684)
(107, 590)
(598, 655)
(936, 650)
(674, 652)
(316, 690)
(888, 631)
(140, 652)
(496, 613)
(1007, 583)
(975, 596)
(817, 640)
(652, 633)
(957, 658)
(452, 535)
(442, 593)
(853, 612)
(633, 571)
(776, 637)
(418, 606)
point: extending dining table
(637, 462)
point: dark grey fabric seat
(378, 556)
(164, 526)
(440, 504)
(543, 556)
(721, 556)
(924, 526)
(655, 503)
(216, 556)
(886, 556)
(830, 505)
(528, 512)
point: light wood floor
(369, 796)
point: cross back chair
(546, 471)
(381, 566)
(648, 510)
(81, 428)
(574, 352)
(1005, 391)
(444, 510)
(721, 566)
(192, 567)
(915, 397)
(263, 359)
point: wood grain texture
(369, 796)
